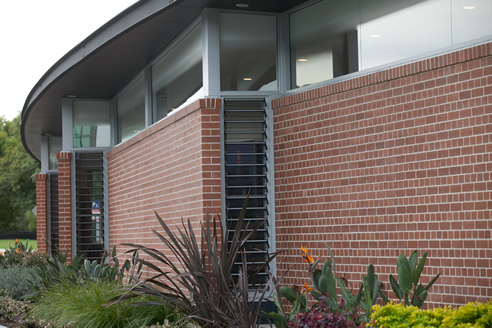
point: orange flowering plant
(22, 255)
(324, 284)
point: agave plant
(201, 285)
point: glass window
(131, 111)
(334, 38)
(248, 52)
(177, 78)
(91, 124)
(395, 30)
(324, 41)
(472, 19)
(54, 147)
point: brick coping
(421, 66)
(165, 122)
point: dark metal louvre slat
(54, 214)
(251, 175)
(89, 205)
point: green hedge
(395, 315)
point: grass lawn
(4, 243)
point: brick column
(65, 201)
(41, 214)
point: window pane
(91, 125)
(54, 146)
(394, 30)
(471, 19)
(324, 41)
(248, 52)
(131, 111)
(177, 78)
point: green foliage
(397, 315)
(204, 272)
(325, 283)
(476, 315)
(22, 255)
(31, 221)
(408, 280)
(82, 306)
(58, 272)
(17, 171)
(14, 281)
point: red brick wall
(64, 202)
(41, 214)
(172, 168)
(391, 162)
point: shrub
(323, 316)
(470, 315)
(17, 313)
(15, 281)
(82, 306)
(21, 255)
(474, 315)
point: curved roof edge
(118, 25)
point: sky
(35, 34)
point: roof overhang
(108, 59)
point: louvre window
(53, 208)
(246, 171)
(89, 171)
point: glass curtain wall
(248, 52)
(177, 78)
(131, 111)
(91, 124)
(334, 38)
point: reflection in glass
(177, 78)
(332, 38)
(91, 125)
(54, 147)
(471, 19)
(324, 41)
(248, 52)
(394, 30)
(131, 111)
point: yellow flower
(17, 250)
(16, 241)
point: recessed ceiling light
(375, 35)
(302, 60)
(242, 5)
(72, 96)
(468, 7)
(248, 79)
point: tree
(17, 182)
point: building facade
(361, 124)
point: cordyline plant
(201, 285)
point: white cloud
(35, 34)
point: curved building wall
(387, 163)
(172, 168)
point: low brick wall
(388, 163)
(172, 168)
